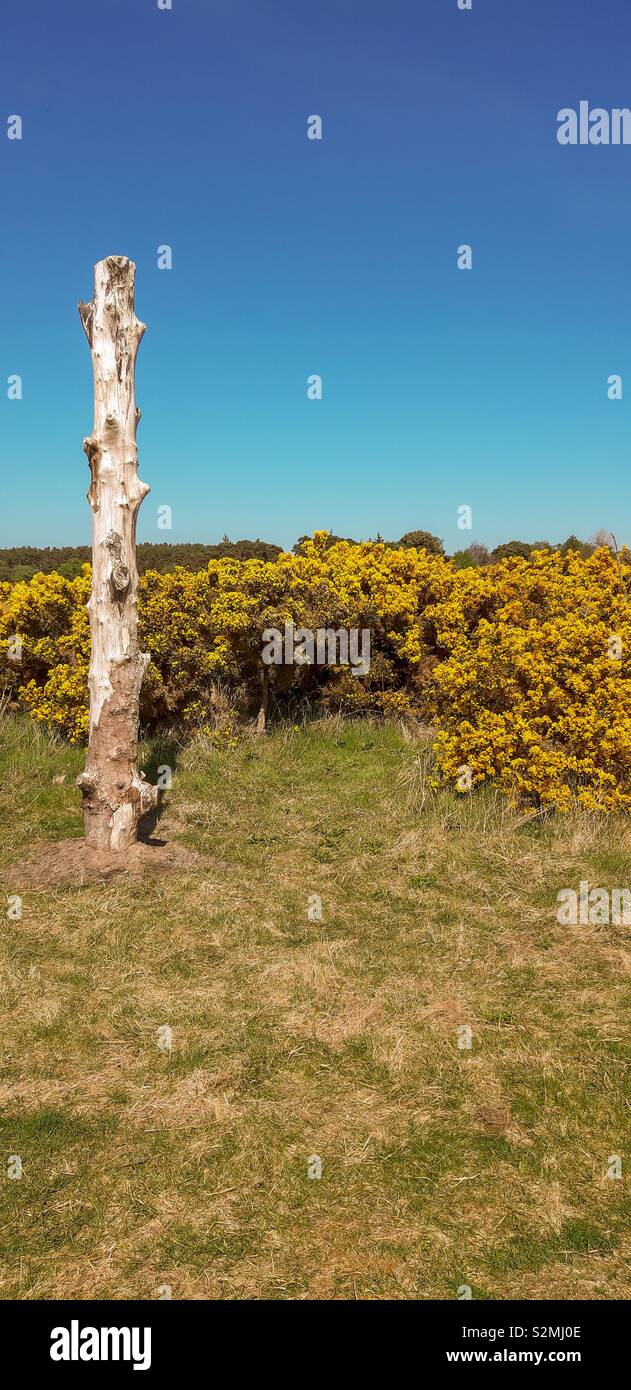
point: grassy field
(296, 1040)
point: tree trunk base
(114, 828)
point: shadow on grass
(158, 758)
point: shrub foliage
(521, 666)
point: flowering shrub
(521, 667)
(48, 616)
(533, 690)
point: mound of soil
(74, 862)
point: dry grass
(294, 1038)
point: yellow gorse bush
(521, 667)
(533, 691)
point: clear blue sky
(291, 257)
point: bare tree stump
(115, 794)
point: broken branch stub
(115, 794)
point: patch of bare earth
(74, 862)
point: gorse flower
(522, 667)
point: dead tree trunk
(115, 794)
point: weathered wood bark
(115, 794)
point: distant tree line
(478, 554)
(23, 561)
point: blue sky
(440, 387)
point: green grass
(294, 1038)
